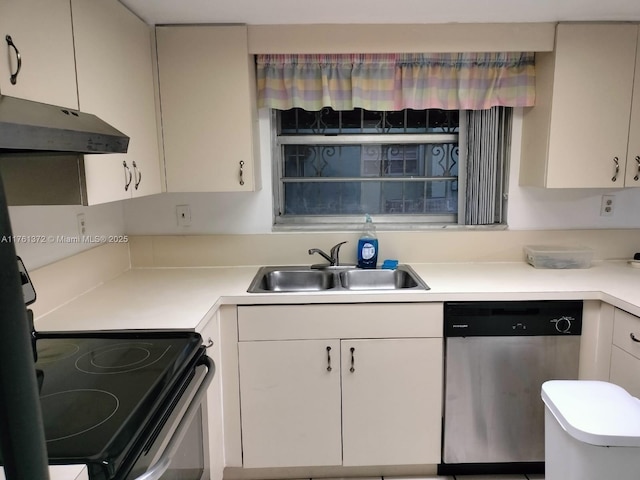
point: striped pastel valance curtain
(391, 82)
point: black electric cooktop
(100, 392)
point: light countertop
(183, 298)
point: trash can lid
(594, 412)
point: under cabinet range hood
(27, 126)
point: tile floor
(476, 477)
(495, 477)
(450, 477)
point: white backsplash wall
(51, 231)
(251, 213)
(233, 213)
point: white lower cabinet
(290, 403)
(340, 401)
(625, 371)
(625, 352)
(391, 403)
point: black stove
(104, 394)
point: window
(411, 138)
(332, 167)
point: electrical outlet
(607, 205)
(183, 214)
(82, 224)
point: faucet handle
(335, 251)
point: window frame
(350, 222)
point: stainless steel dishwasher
(497, 355)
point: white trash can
(592, 431)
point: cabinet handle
(353, 360)
(127, 176)
(615, 175)
(14, 76)
(241, 172)
(634, 338)
(328, 358)
(138, 175)
(638, 171)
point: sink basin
(306, 279)
(378, 279)
(297, 279)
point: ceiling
(259, 12)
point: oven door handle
(162, 464)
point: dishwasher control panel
(509, 318)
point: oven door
(180, 450)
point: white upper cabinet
(578, 133)
(209, 111)
(632, 177)
(41, 31)
(115, 82)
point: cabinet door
(625, 371)
(632, 178)
(115, 82)
(290, 403)
(41, 30)
(625, 352)
(592, 87)
(209, 113)
(391, 401)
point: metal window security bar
(333, 166)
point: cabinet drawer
(372, 320)
(625, 371)
(624, 325)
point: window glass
(336, 165)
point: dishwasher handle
(158, 469)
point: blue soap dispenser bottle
(368, 245)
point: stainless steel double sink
(342, 278)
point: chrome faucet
(333, 257)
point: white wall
(247, 213)
(529, 208)
(532, 208)
(44, 227)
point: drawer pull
(352, 369)
(617, 166)
(634, 338)
(328, 358)
(127, 176)
(241, 172)
(14, 76)
(138, 175)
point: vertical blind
(392, 82)
(488, 147)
